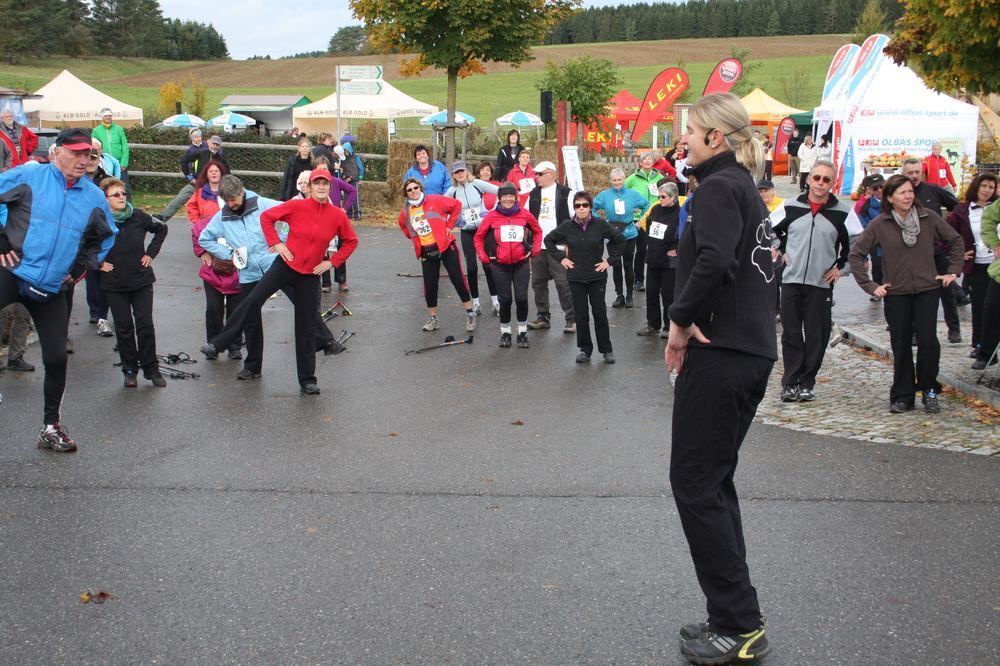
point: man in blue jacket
(619, 205)
(429, 172)
(58, 226)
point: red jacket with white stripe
(509, 235)
(440, 212)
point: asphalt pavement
(469, 505)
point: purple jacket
(959, 221)
(341, 188)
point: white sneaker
(477, 309)
(432, 324)
(103, 329)
(470, 324)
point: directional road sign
(360, 88)
(354, 72)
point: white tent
(890, 112)
(66, 101)
(391, 103)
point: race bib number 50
(511, 233)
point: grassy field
(791, 70)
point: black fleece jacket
(725, 277)
(126, 254)
(585, 248)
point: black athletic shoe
(954, 337)
(899, 407)
(931, 404)
(235, 354)
(210, 352)
(609, 357)
(981, 363)
(693, 631)
(806, 395)
(310, 389)
(522, 340)
(505, 340)
(131, 381)
(20, 364)
(541, 322)
(583, 357)
(713, 648)
(619, 302)
(629, 303)
(789, 394)
(639, 286)
(975, 352)
(56, 438)
(333, 347)
(157, 379)
(246, 373)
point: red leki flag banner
(723, 77)
(662, 93)
(785, 128)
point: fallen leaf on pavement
(517, 422)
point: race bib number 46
(511, 233)
(657, 230)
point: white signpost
(357, 80)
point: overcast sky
(265, 27)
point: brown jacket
(910, 270)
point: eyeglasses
(94, 158)
(115, 194)
(826, 179)
(664, 196)
(413, 189)
(876, 188)
(582, 204)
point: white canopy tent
(392, 103)
(895, 112)
(66, 101)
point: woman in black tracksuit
(126, 277)
(578, 244)
(507, 157)
(660, 224)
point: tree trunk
(451, 103)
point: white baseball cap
(545, 166)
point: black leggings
(304, 291)
(133, 313)
(51, 323)
(517, 276)
(219, 308)
(616, 269)
(639, 263)
(339, 274)
(471, 266)
(589, 297)
(432, 271)
(659, 287)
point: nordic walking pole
(449, 341)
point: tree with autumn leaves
(954, 44)
(458, 36)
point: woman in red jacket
(204, 203)
(507, 237)
(312, 224)
(523, 176)
(427, 220)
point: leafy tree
(459, 36)
(348, 40)
(586, 83)
(745, 84)
(196, 96)
(171, 92)
(871, 20)
(953, 43)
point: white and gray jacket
(470, 195)
(813, 243)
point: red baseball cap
(318, 174)
(74, 138)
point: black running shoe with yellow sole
(713, 648)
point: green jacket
(641, 183)
(991, 237)
(114, 141)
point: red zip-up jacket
(937, 171)
(508, 252)
(516, 175)
(311, 227)
(441, 213)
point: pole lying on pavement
(449, 341)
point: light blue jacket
(111, 165)
(471, 196)
(437, 180)
(241, 231)
(632, 201)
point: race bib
(653, 190)
(471, 216)
(511, 233)
(619, 207)
(420, 224)
(332, 247)
(239, 258)
(657, 230)
(942, 173)
(546, 209)
(526, 185)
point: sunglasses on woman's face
(582, 204)
(115, 194)
(413, 189)
(664, 196)
(818, 178)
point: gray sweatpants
(20, 325)
(544, 267)
(177, 202)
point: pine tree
(871, 20)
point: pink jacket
(226, 284)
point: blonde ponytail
(726, 112)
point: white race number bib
(526, 185)
(511, 233)
(653, 190)
(471, 216)
(420, 225)
(657, 230)
(619, 207)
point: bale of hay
(374, 194)
(596, 176)
(400, 160)
(545, 150)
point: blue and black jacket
(57, 231)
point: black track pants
(589, 297)
(133, 313)
(432, 271)
(472, 263)
(511, 282)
